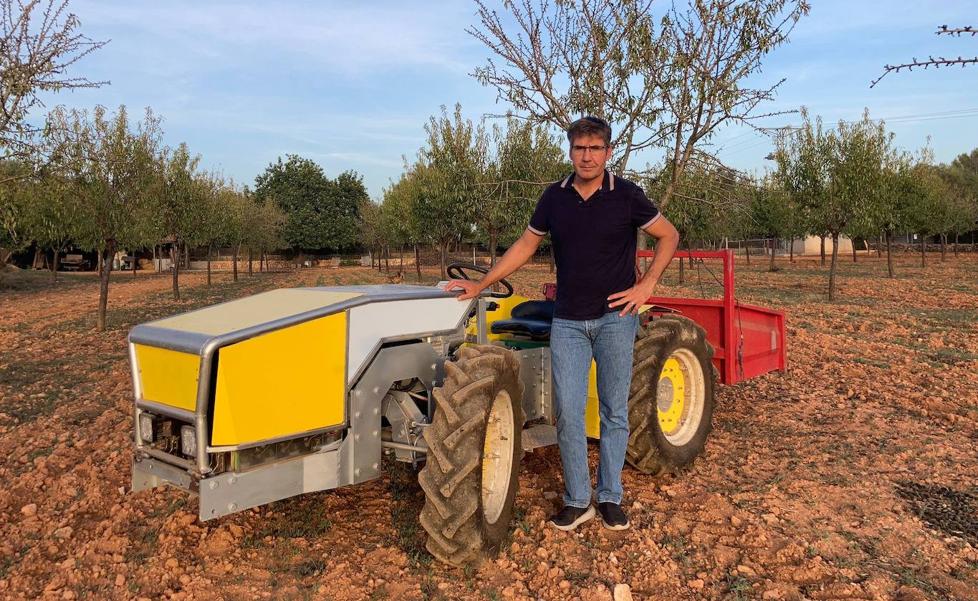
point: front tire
(474, 450)
(670, 405)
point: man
(591, 216)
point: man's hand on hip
(631, 300)
(470, 289)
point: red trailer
(747, 340)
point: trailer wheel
(670, 405)
(472, 472)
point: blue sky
(351, 84)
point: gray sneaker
(569, 517)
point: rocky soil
(851, 476)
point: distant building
(812, 245)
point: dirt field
(852, 476)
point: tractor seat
(530, 319)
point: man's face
(589, 154)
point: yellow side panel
(168, 377)
(592, 421)
(281, 383)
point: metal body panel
(167, 377)
(537, 389)
(231, 492)
(372, 324)
(150, 473)
(360, 451)
(153, 334)
(251, 311)
(280, 383)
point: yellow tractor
(300, 390)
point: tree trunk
(822, 247)
(835, 258)
(747, 248)
(791, 250)
(443, 251)
(250, 259)
(175, 259)
(889, 256)
(682, 271)
(37, 257)
(493, 236)
(261, 261)
(210, 251)
(105, 259)
(923, 252)
(771, 267)
(853, 242)
(156, 264)
(878, 249)
(943, 247)
(955, 247)
(135, 263)
(417, 262)
(234, 261)
(400, 252)
(54, 265)
(387, 259)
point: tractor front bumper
(230, 492)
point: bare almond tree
(931, 61)
(712, 49)
(666, 82)
(557, 61)
(39, 43)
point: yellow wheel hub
(680, 396)
(671, 397)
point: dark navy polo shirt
(594, 241)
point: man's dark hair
(589, 126)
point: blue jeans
(609, 340)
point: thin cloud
(342, 39)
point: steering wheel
(458, 271)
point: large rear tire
(472, 472)
(670, 405)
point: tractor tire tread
(652, 347)
(452, 515)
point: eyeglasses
(594, 149)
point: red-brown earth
(851, 476)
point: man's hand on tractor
(631, 300)
(470, 288)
